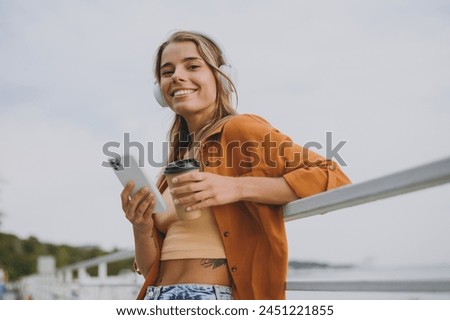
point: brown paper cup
(175, 169)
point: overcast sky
(77, 74)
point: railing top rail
(113, 257)
(421, 177)
(434, 286)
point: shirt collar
(217, 129)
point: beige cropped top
(189, 239)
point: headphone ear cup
(158, 95)
(226, 84)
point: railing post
(82, 274)
(68, 275)
(102, 270)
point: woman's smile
(183, 92)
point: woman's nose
(178, 75)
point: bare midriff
(199, 271)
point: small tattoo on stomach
(214, 263)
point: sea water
(371, 273)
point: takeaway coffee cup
(177, 168)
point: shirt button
(226, 234)
(234, 269)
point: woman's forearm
(267, 190)
(145, 251)
(199, 190)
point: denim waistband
(188, 291)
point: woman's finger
(188, 188)
(189, 177)
(125, 194)
(143, 206)
(200, 205)
(136, 200)
(192, 198)
(150, 207)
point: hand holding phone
(127, 168)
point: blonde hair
(179, 138)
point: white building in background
(73, 282)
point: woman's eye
(166, 73)
(193, 67)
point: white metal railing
(74, 282)
(425, 176)
(422, 177)
(100, 262)
(436, 286)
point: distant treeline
(19, 257)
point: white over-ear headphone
(227, 74)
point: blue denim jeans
(188, 292)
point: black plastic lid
(181, 165)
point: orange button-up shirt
(254, 234)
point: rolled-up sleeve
(305, 171)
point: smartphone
(126, 168)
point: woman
(238, 248)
